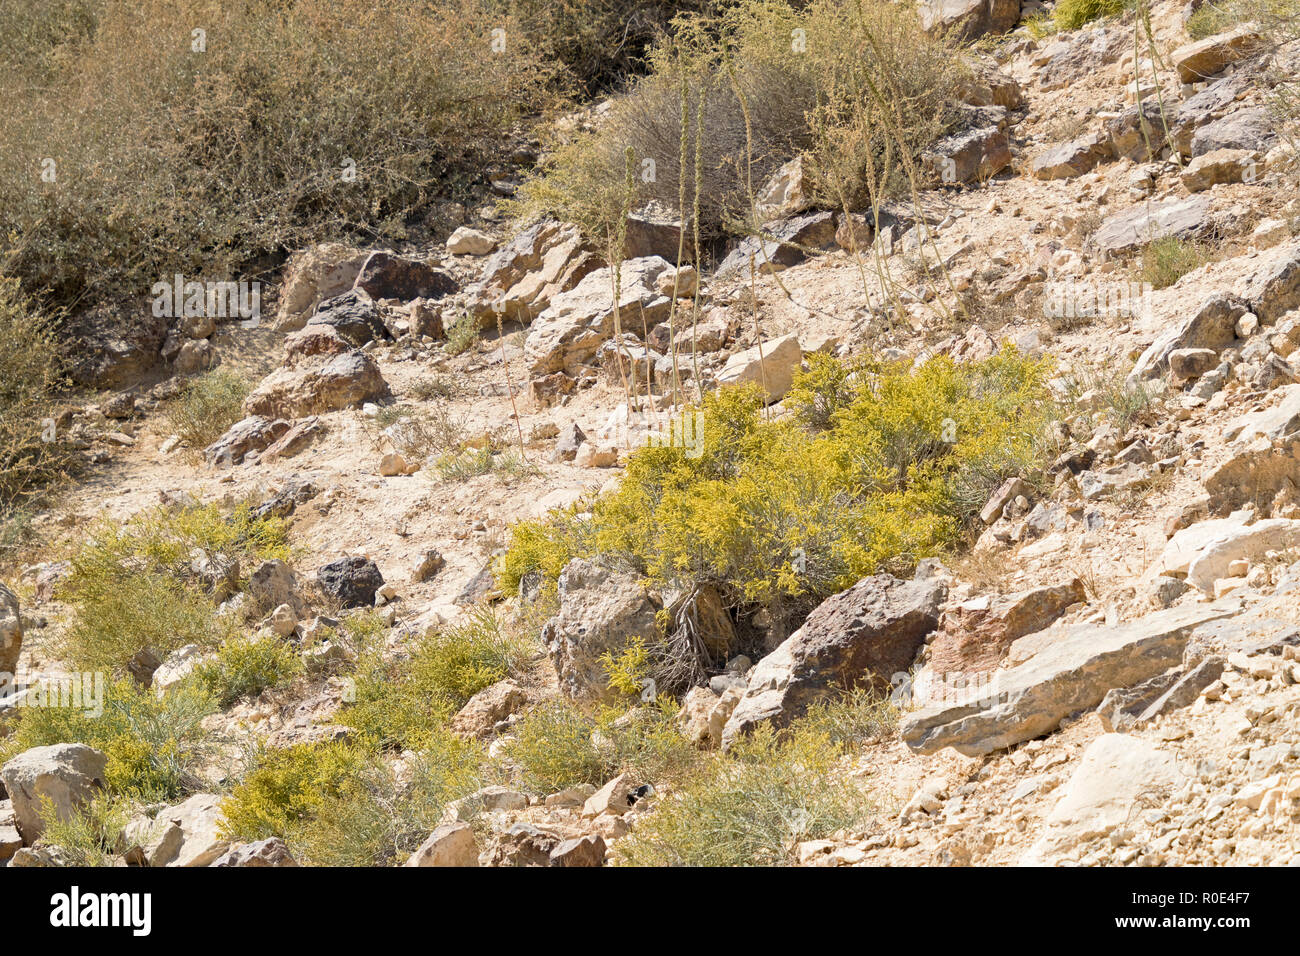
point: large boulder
(786, 193)
(771, 366)
(351, 581)
(452, 844)
(313, 275)
(1135, 227)
(252, 434)
(1204, 58)
(783, 243)
(1212, 326)
(188, 834)
(975, 635)
(1060, 673)
(343, 381)
(1213, 102)
(577, 322)
(1253, 129)
(488, 708)
(1080, 54)
(261, 853)
(1219, 166)
(66, 775)
(389, 276)
(11, 632)
(520, 279)
(1073, 158)
(1273, 287)
(969, 155)
(862, 636)
(601, 610)
(112, 346)
(968, 19)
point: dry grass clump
(192, 137)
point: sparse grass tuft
(462, 335)
(1165, 261)
(752, 806)
(1072, 14)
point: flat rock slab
(1147, 222)
(1116, 772)
(1070, 670)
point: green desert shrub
(773, 511)
(208, 405)
(154, 744)
(401, 701)
(733, 93)
(244, 667)
(192, 137)
(285, 787)
(560, 743)
(91, 834)
(379, 819)
(131, 587)
(752, 806)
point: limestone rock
(67, 775)
(1218, 166)
(344, 381)
(1117, 775)
(976, 634)
(1251, 129)
(450, 845)
(1146, 222)
(600, 611)
(313, 275)
(1204, 58)
(252, 434)
(261, 853)
(489, 707)
(785, 193)
(1212, 326)
(1273, 287)
(968, 19)
(1073, 158)
(576, 323)
(466, 241)
(969, 155)
(863, 635)
(1067, 672)
(770, 366)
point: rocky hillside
(958, 527)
